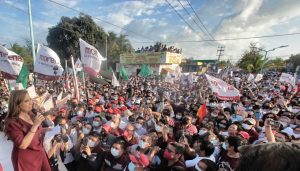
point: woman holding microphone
(25, 130)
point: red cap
(108, 105)
(244, 134)
(110, 111)
(91, 102)
(117, 111)
(98, 109)
(123, 108)
(121, 99)
(106, 128)
(62, 110)
(139, 159)
(133, 107)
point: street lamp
(266, 53)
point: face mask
(131, 167)
(79, 113)
(215, 142)
(168, 155)
(96, 123)
(246, 126)
(138, 126)
(114, 152)
(158, 128)
(224, 146)
(142, 144)
(197, 167)
(85, 131)
(202, 132)
(178, 116)
(222, 126)
(91, 143)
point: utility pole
(220, 51)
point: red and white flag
(91, 58)
(10, 63)
(222, 90)
(47, 64)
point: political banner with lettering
(287, 78)
(222, 90)
(47, 64)
(91, 58)
(10, 63)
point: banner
(61, 103)
(31, 92)
(10, 63)
(222, 90)
(48, 104)
(258, 77)
(250, 77)
(91, 58)
(287, 78)
(47, 64)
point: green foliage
(22, 51)
(294, 61)
(277, 64)
(64, 38)
(251, 62)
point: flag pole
(84, 86)
(31, 31)
(75, 79)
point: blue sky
(156, 20)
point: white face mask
(91, 143)
(131, 167)
(246, 126)
(114, 152)
(202, 132)
(158, 128)
(79, 113)
(142, 144)
(178, 116)
(138, 126)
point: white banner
(31, 92)
(10, 63)
(90, 57)
(222, 90)
(258, 77)
(288, 78)
(47, 64)
(250, 77)
(115, 81)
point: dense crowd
(150, 124)
(159, 47)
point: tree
(22, 51)
(64, 38)
(293, 62)
(224, 64)
(275, 64)
(251, 61)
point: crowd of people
(159, 47)
(149, 124)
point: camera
(60, 138)
(84, 141)
(274, 123)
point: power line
(232, 39)
(220, 51)
(104, 21)
(200, 20)
(191, 16)
(183, 18)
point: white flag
(222, 90)
(91, 58)
(78, 66)
(47, 64)
(288, 78)
(31, 92)
(61, 103)
(250, 77)
(48, 104)
(115, 81)
(10, 63)
(59, 96)
(258, 77)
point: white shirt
(192, 163)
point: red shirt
(34, 157)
